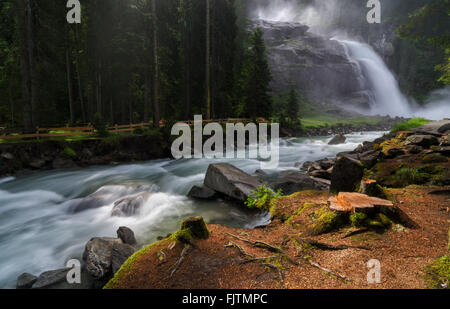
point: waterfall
(387, 97)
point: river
(39, 232)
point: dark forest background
(144, 60)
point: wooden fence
(89, 130)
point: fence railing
(90, 130)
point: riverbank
(31, 156)
(315, 241)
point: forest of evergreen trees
(134, 61)
(128, 61)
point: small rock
(425, 141)
(7, 156)
(126, 235)
(37, 164)
(49, 278)
(26, 281)
(338, 139)
(414, 149)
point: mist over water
(386, 96)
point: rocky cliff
(317, 66)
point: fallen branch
(260, 259)
(241, 251)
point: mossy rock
(434, 158)
(194, 227)
(358, 219)
(437, 274)
(326, 221)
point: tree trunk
(69, 86)
(32, 65)
(187, 62)
(156, 115)
(80, 90)
(208, 60)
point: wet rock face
(347, 173)
(311, 62)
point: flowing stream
(39, 232)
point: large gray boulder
(230, 181)
(346, 175)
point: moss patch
(437, 274)
(358, 219)
(326, 221)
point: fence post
(37, 132)
(116, 129)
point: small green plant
(406, 176)
(69, 152)
(263, 198)
(410, 124)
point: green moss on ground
(437, 274)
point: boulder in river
(126, 235)
(202, 192)
(97, 254)
(129, 205)
(230, 181)
(26, 281)
(338, 139)
(347, 174)
(51, 278)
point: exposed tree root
(356, 232)
(162, 257)
(264, 245)
(280, 273)
(323, 246)
(184, 253)
(241, 251)
(312, 263)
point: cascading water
(39, 229)
(387, 97)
